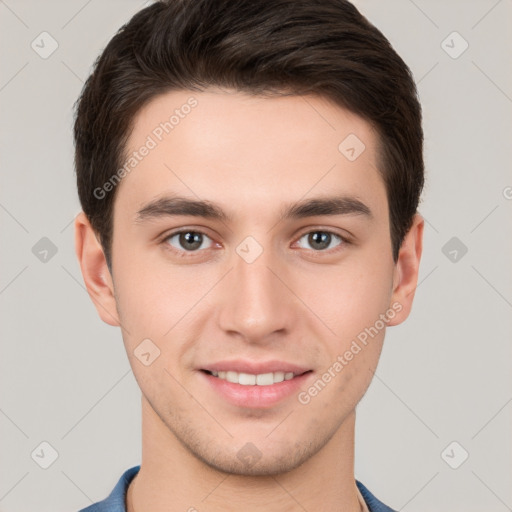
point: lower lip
(256, 396)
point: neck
(172, 479)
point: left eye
(188, 240)
(321, 240)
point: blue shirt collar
(115, 502)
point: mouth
(250, 379)
(262, 391)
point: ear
(95, 272)
(405, 277)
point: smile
(249, 390)
(248, 379)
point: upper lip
(255, 367)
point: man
(249, 173)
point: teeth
(279, 377)
(232, 377)
(247, 379)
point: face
(285, 268)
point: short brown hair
(262, 47)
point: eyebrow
(177, 205)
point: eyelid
(346, 236)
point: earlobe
(405, 278)
(95, 272)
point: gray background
(445, 375)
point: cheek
(350, 297)
(152, 295)
(145, 306)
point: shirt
(115, 501)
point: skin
(295, 302)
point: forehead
(239, 149)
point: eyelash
(186, 254)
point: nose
(258, 304)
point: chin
(263, 466)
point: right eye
(187, 241)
